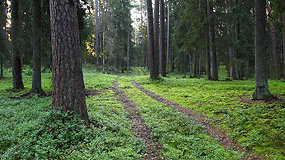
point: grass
(180, 137)
(256, 125)
(30, 130)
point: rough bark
(143, 53)
(184, 64)
(156, 36)
(36, 83)
(96, 33)
(16, 58)
(162, 40)
(232, 57)
(2, 36)
(274, 45)
(207, 48)
(68, 92)
(128, 54)
(190, 65)
(168, 36)
(212, 39)
(283, 19)
(151, 42)
(261, 83)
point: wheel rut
(214, 132)
(143, 72)
(139, 128)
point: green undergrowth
(180, 137)
(256, 125)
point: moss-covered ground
(30, 130)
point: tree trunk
(143, 53)
(168, 36)
(162, 40)
(16, 58)
(172, 62)
(128, 54)
(232, 65)
(151, 43)
(2, 35)
(96, 33)
(184, 64)
(103, 56)
(207, 49)
(36, 84)
(212, 37)
(199, 66)
(274, 45)
(283, 19)
(156, 36)
(261, 83)
(190, 65)
(194, 66)
(68, 92)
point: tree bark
(143, 53)
(261, 83)
(233, 72)
(68, 92)
(97, 34)
(156, 36)
(283, 19)
(184, 64)
(16, 58)
(2, 35)
(190, 65)
(212, 36)
(168, 36)
(207, 49)
(128, 54)
(151, 43)
(36, 84)
(274, 45)
(162, 40)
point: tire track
(139, 127)
(214, 132)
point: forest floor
(136, 118)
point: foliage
(256, 125)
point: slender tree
(207, 47)
(156, 36)
(16, 58)
(162, 40)
(68, 87)
(261, 83)
(168, 36)
(283, 19)
(36, 84)
(128, 54)
(274, 42)
(96, 32)
(212, 36)
(2, 35)
(151, 45)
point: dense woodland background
(198, 59)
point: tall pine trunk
(151, 45)
(97, 33)
(128, 54)
(2, 35)
(36, 84)
(232, 57)
(261, 83)
(274, 44)
(162, 40)
(283, 19)
(143, 53)
(168, 37)
(190, 65)
(68, 92)
(156, 36)
(212, 37)
(16, 58)
(207, 48)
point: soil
(143, 71)
(139, 128)
(211, 130)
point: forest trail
(138, 71)
(211, 130)
(139, 127)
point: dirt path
(139, 127)
(143, 71)
(214, 132)
(139, 73)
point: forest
(142, 79)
